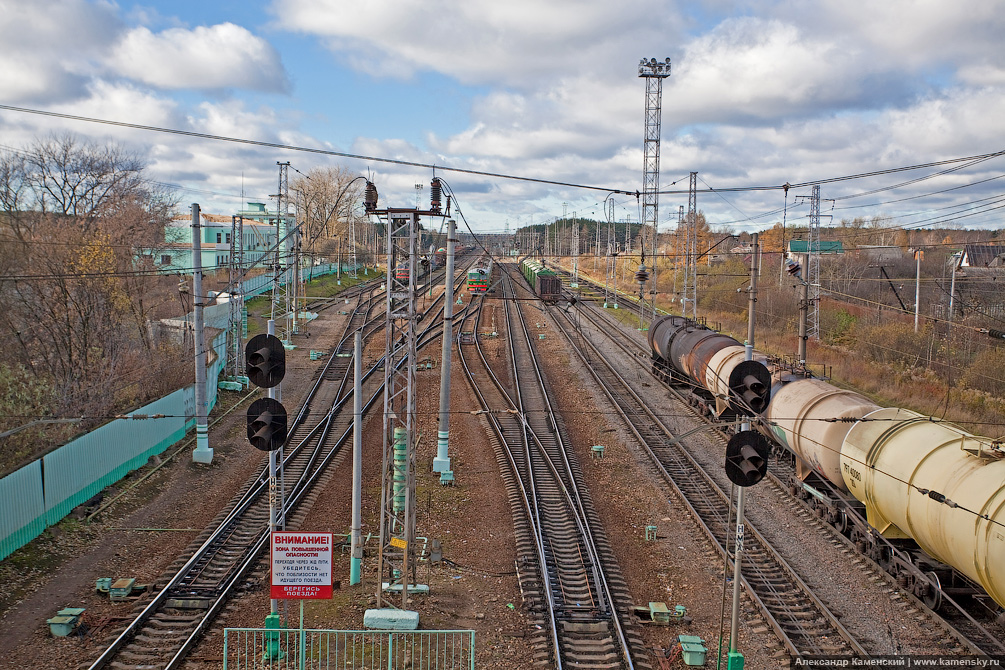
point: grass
(260, 307)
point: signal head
(747, 458)
(265, 359)
(267, 428)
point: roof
(981, 255)
(825, 246)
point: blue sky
(762, 93)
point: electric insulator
(370, 197)
(434, 194)
(642, 276)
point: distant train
(423, 265)
(917, 479)
(480, 276)
(545, 282)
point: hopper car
(923, 498)
(546, 284)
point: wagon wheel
(932, 596)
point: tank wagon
(928, 497)
(689, 352)
(545, 282)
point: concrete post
(356, 546)
(273, 493)
(441, 463)
(202, 452)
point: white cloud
(49, 47)
(517, 43)
(207, 57)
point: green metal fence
(301, 649)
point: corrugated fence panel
(23, 517)
(78, 470)
(42, 493)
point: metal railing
(302, 649)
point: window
(219, 238)
(228, 238)
(165, 260)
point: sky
(531, 109)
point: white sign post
(301, 565)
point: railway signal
(746, 458)
(266, 360)
(267, 424)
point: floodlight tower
(654, 72)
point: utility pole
(441, 463)
(918, 255)
(356, 530)
(202, 453)
(735, 661)
(654, 72)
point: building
(258, 237)
(982, 256)
(879, 253)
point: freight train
(919, 496)
(545, 282)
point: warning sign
(301, 565)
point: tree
(328, 202)
(76, 305)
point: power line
(432, 166)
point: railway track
(800, 620)
(166, 628)
(567, 570)
(966, 625)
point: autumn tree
(329, 201)
(76, 295)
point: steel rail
(771, 610)
(226, 527)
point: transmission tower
(611, 278)
(813, 256)
(813, 264)
(235, 363)
(678, 246)
(397, 561)
(397, 524)
(284, 291)
(689, 299)
(575, 251)
(352, 247)
(654, 72)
